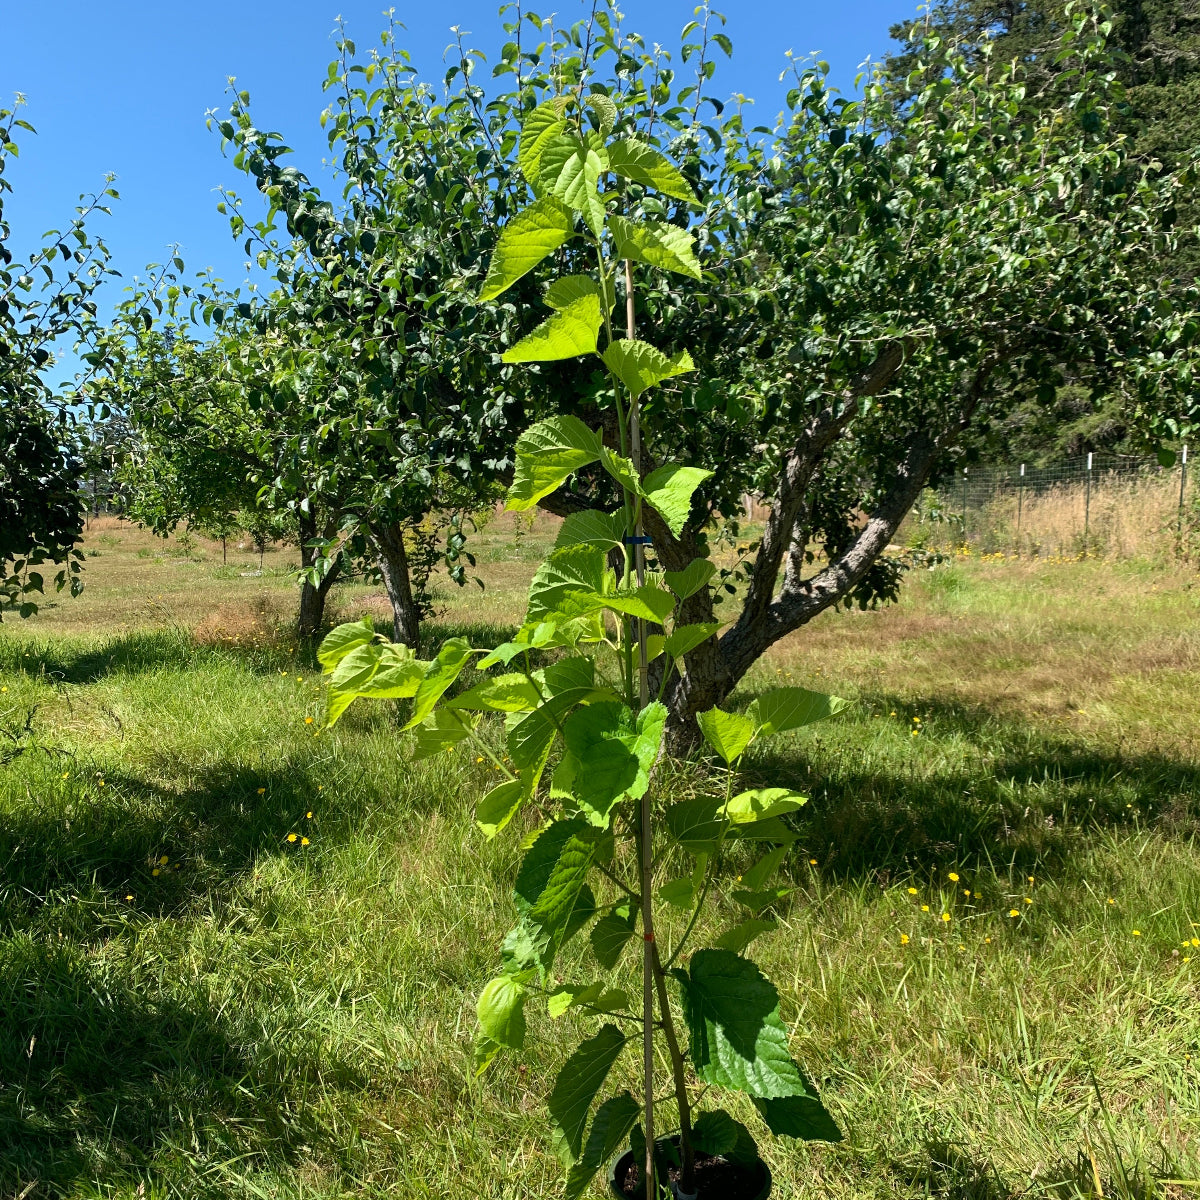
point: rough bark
(312, 599)
(388, 542)
(716, 667)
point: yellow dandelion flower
(1137, 933)
(66, 775)
(308, 816)
(924, 907)
(163, 860)
(916, 733)
(978, 895)
(912, 891)
(292, 837)
(101, 783)
(479, 759)
(1030, 878)
(953, 877)
(812, 862)
(987, 941)
(129, 896)
(304, 841)
(262, 791)
(308, 720)
(945, 916)
(903, 937)
(1028, 899)
(967, 893)
(1196, 941)
(1012, 912)
(156, 871)
(892, 714)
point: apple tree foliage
(45, 301)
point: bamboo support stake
(647, 849)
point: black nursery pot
(754, 1183)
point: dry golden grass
(1131, 518)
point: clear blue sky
(123, 86)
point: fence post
(1182, 488)
(1087, 504)
(964, 531)
(1020, 499)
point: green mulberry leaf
(499, 806)
(612, 933)
(570, 333)
(787, 708)
(669, 491)
(640, 366)
(591, 528)
(439, 675)
(580, 1079)
(685, 638)
(339, 642)
(633, 159)
(570, 169)
(501, 1012)
(539, 129)
(799, 1117)
(547, 453)
(501, 693)
(737, 1038)
(691, 579)
(579, 568)
(569, 288)
(667, 247)
(524, 241)
(439, 732)
(727, 733)
(610, 1127)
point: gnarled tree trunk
(388, 542)
(312, 599)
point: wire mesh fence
(1104, 505)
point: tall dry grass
(1127, 518)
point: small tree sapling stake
(578, 704)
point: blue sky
(123, 86)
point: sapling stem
(687, 1154)
(645, 842)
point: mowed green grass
(269, 1018)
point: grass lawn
(239, 958)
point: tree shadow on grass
(1021, 797)
(100, 1081)
(948, 1170)
(69, 661)
(77, 865)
